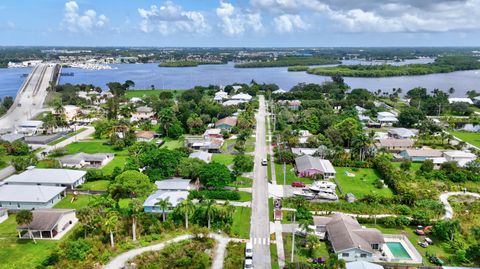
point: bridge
(31, 96)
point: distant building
(71, 112)
(175, 190)
(402, 133)
(212, 145)
(48, 177)
(226, 123)
(308, 166)
(386, 118)
(461, 157)
(420, 154)
(213, 133)
(395, 145)
(279, 91)
(18, 197)
(145, 136)
(291, 104)
(233, 102)
(49, 224)
(31, 127)
(201, 155)
(460, 100)
(303, 151)
(362, 265)
(142, 113)
(242, 96)
(86, 160)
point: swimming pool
(398, 251)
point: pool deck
(415, 257)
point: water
(398, 250)
(145, 75)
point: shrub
(215, 194)
(94, 175)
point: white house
(18, 197)
(461, 157)
(142, 113)
(71, 112)
(279, 91)
(175, 190)
(242, 96)
(402, 133)
(50, 224)
(48, 177)
(201, 155)
(81, 160)
(220, 95)
(31, 127)
(3, 214)
(386, 118)
(233, 102)
(460, 100)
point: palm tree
(210, 211)
(187, 208)
(110, 225)
(164, 204)
(86, 216)
(134, 208)
(24, 218)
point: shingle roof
(306, 162)
(29, 193)
(49, 176)
(344, 233)
(423, 153)
(175, 183)
(389, 142)
(144, 109)
(45, 219)
(145, 134)
(202, 155)
(231, 121)
(459, 154)
(81, 156)
(363, 265)
(174, 197)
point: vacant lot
(225, 159)
(469, 137)
(81, 201)
(290, 175)
(362, 183)
(241, 222)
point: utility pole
(293, 237)
(284, 173)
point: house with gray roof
(402, 133)
(18, 197)
(349, 240)
(48, 177)
(201, 155)
(52, 223)
(420, 155)
(362, 265)
(175, 190)
(395, 145)
(11, 137)
(308, 166)
(86, 160)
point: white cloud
(171, 18)
(235, 22)
(74, 21)
(288, 23)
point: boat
(323, 186)
(327, 196)
(305, 194)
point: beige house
(50, 224)
(142, 113)
(395, 145)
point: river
(145, 75)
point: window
(363, 255)
(18, 205)
(375, 246)
(345, 254)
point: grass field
(291, 176)
(81, 202)
(301, 254)
(118, 161)
(241, 222)
(245, 196)
(140, 93)
(225, 159)
(469, 137)
(362, 183)
(242, 182)
(99, 185)
(92, 147)
(21, 253)
(226, 144)
(274, 256)
(172, 143)
(414, 168)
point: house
(279, 91)
(364, 119)
(242, 96)
(395, 145)
(349, 240)
(303, 136)
(460, 100)
(85, 160)
(71, 112)
(49, 223)
(18, 197)
(48, 177)
(226, 123)
(420, 154)
(236, 88)
(220, 96)
(402, 133)
(135, 100)
(362, 265)
(233, 102)
(308, 166)
(145, 136)
(461, 157)
(213, 133)
(3, 214)
(175, 190)
(303, 151)
(201, 155)
(437, 162)
(212, 145)
(11, 137)
(142, 113)
(360, 110)
(291, 104)
(31, 127)
(386, 118)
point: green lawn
(140, 93)
(92, 147)
(274, 256)
(362, 183)
(16, 253)
(301, 254)
(242, 182)
(81, 202)
(48, 163)
(469, 137)
(250, 144)
(414, 168)
(225, 159)
(241, 222)
(291, 176)
(172, 143)
(436, 248)
(245, 196)
(226, 144)
(118, 161)
(99, 185)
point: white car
(248, 264)
(249, 250)
(264, 162)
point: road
(260, 222)
(30, 97)
(448, 208)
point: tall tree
(110, 225)
(135, 208)
(187, 208)
(24, 218)
(164, 204)
(210, 211)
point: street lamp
(293, 236)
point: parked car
(264, 162)
(298, 184)
(248, 264)
(423, 244)
(249, 250)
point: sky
(240, 23)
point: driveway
(448, 208)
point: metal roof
(28, 193)
(47, 176)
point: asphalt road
(260, 222)
(30, 97)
